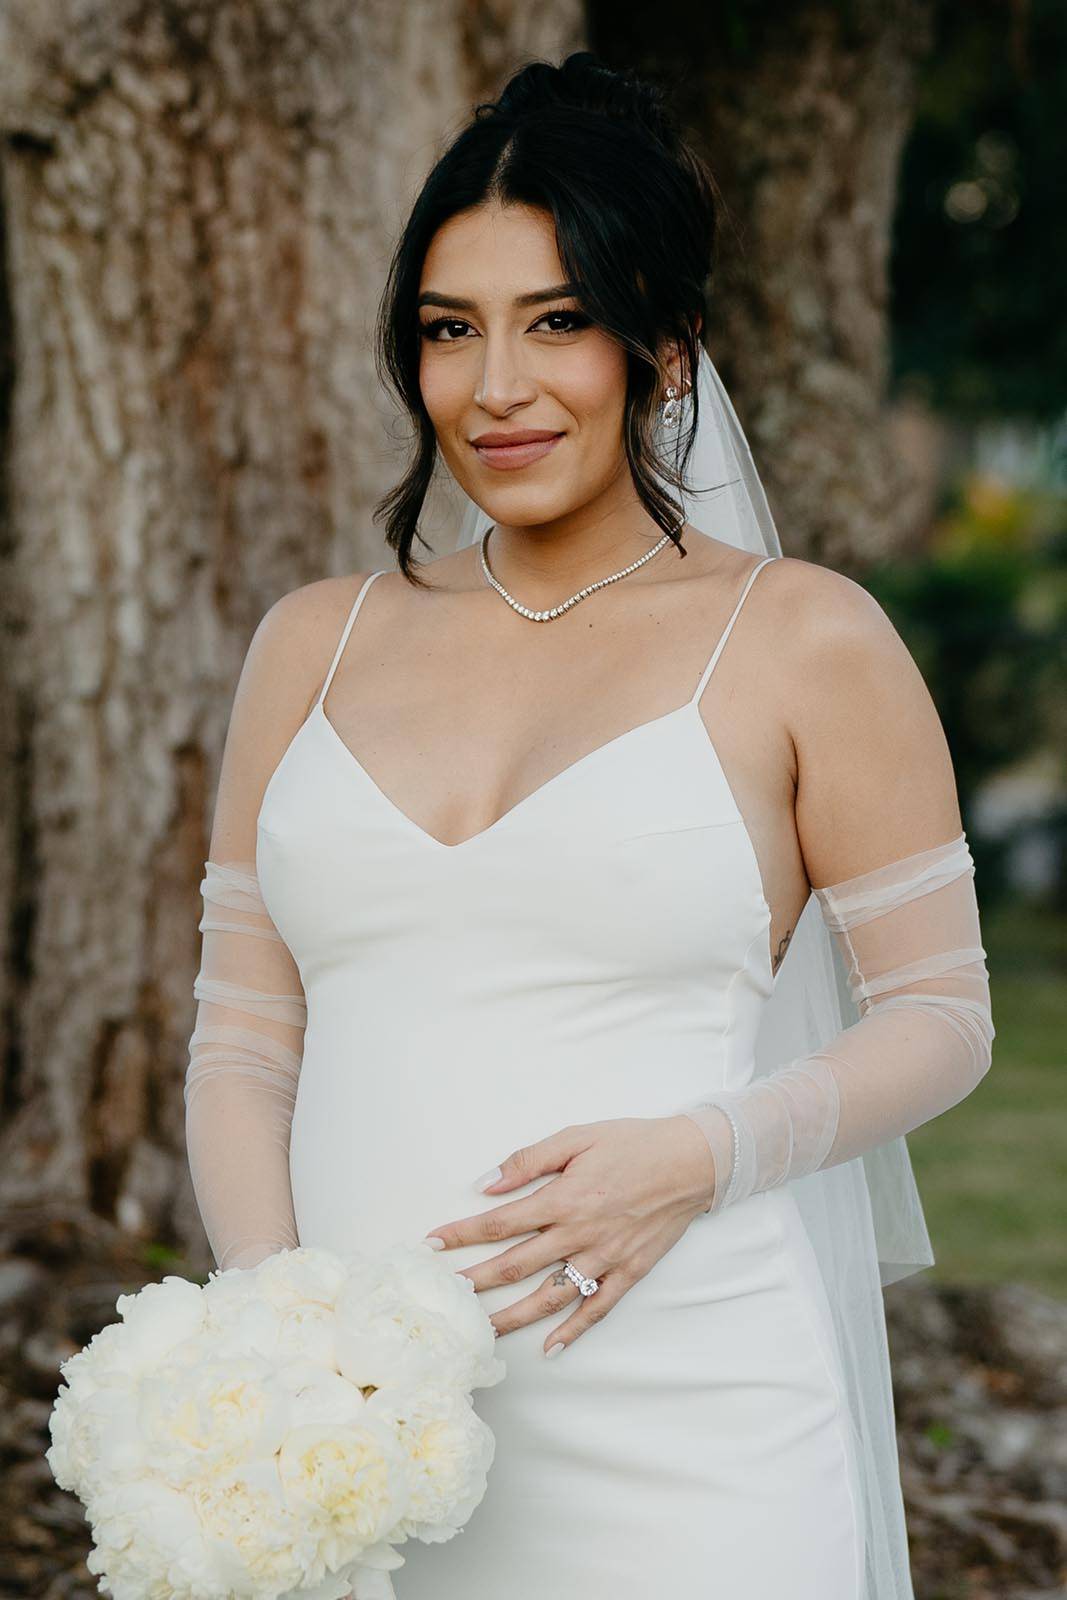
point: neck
(545, 563)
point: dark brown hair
(634, 211)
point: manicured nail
(553, 1350)
(488, 1178)
(434, 1242)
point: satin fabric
(601, 950)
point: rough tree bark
(200, 199)
(801, 110)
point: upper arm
(284, 667)
(875, 778)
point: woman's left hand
(626, 1192)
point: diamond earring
(671, 407)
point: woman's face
(505, 350)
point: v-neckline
(525, 800)
(690, 708)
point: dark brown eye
(430, 330)
(574, 320)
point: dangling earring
(671, 407)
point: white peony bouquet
(279, 1430)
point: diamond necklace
(564, 605)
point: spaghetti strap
(706, 674)
(346, 630)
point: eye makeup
(577, 320)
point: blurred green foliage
(980, 234)
(993, 1171)
(161, 1257)
(979, 331)
(983, 611)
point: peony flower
(453, 1297)
(211, 1416)
(95, 1438)
(158, 1317)
(410, 1321)
(277, 1432)
(348, 1483)
(143, 1532)
(449, 1452)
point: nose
(505, 380)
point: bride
(614, 857)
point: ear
(673, 364)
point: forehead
(492, 252)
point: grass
(992, 1171)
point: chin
(522, 511)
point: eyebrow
(534, 298)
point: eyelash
(578, 320)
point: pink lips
(520, 454)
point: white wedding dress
(601, 950)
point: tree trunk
(200, 202)
(802, 111)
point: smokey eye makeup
(573, 320)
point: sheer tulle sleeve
(244, 1062)
(909, 934)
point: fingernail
(553, 1350)
(488, 1178)
(434, 1242)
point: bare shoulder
(298, 634)
(816, 601)
(825, 605)
(876, 777)
(840, 663)
(296, 638)
(828, 627)
(284, 666)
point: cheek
(598, 442)
(446, 391)
(594, 392)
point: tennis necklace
(564, 605)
